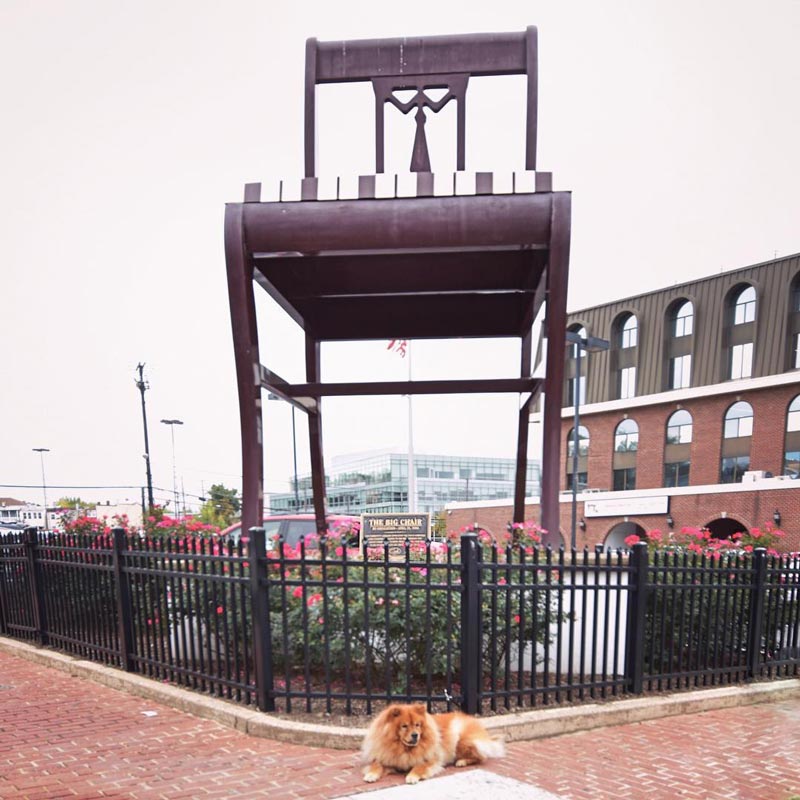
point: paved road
(68, 737)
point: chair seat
(403, 267)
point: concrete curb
(521, 726)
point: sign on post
(396, 528)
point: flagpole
(412, 477)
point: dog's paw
(412, 777)
(463, 762)
(372, 775)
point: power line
(113, 486)
(54, 486)
(164, 492)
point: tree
(221, 507)
(74, 502)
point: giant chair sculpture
(405, 267)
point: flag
(398, 346)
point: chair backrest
(421, 63)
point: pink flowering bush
(334, 607)
(520, 538)
(702, 542)
(713, 606)
(159, 523)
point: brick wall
(751, 509)
(766, 449)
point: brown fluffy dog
(409, 739)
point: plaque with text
(394, 528)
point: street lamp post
(590, 344)
(41, 451)
(143, 386)
(272, 396)
(172, 423)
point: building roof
(691, 285)
(771, 334)
(12, 501)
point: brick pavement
(67, 737)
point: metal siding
(772, 281)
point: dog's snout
(414, 737)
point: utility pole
(143, 386)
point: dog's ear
(421, 708)
(394, 711)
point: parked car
(293, 526)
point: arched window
(678, 345)
(736, 433)
(629, 333)
(626, 444)
(676, 449)
(682, 323)
(626, 436)
(791, 450)
(679, 428)
(625, 355)
(583, 457)
(572, 350)
(793, 325)
(744, 309)
(740, 315)
(583, 442)
(739, 421)
(575, 382)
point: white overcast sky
(126, 126)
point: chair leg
(313, 373)
(245, 346)
(557, 274)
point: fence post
(755, 627)
(37, 590)
(259, 610)
(3, 599)
(637, 616)
(470, 624)
(124, 608)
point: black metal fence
(466, 624)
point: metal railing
(467, 623)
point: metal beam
(273, 382)
(479, 386)
(469, 221)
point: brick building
(691, 417)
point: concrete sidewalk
(63, 736)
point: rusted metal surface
(427, 263)
(420, 63)
(555, 330)
(245, 346)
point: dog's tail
(490, 748)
